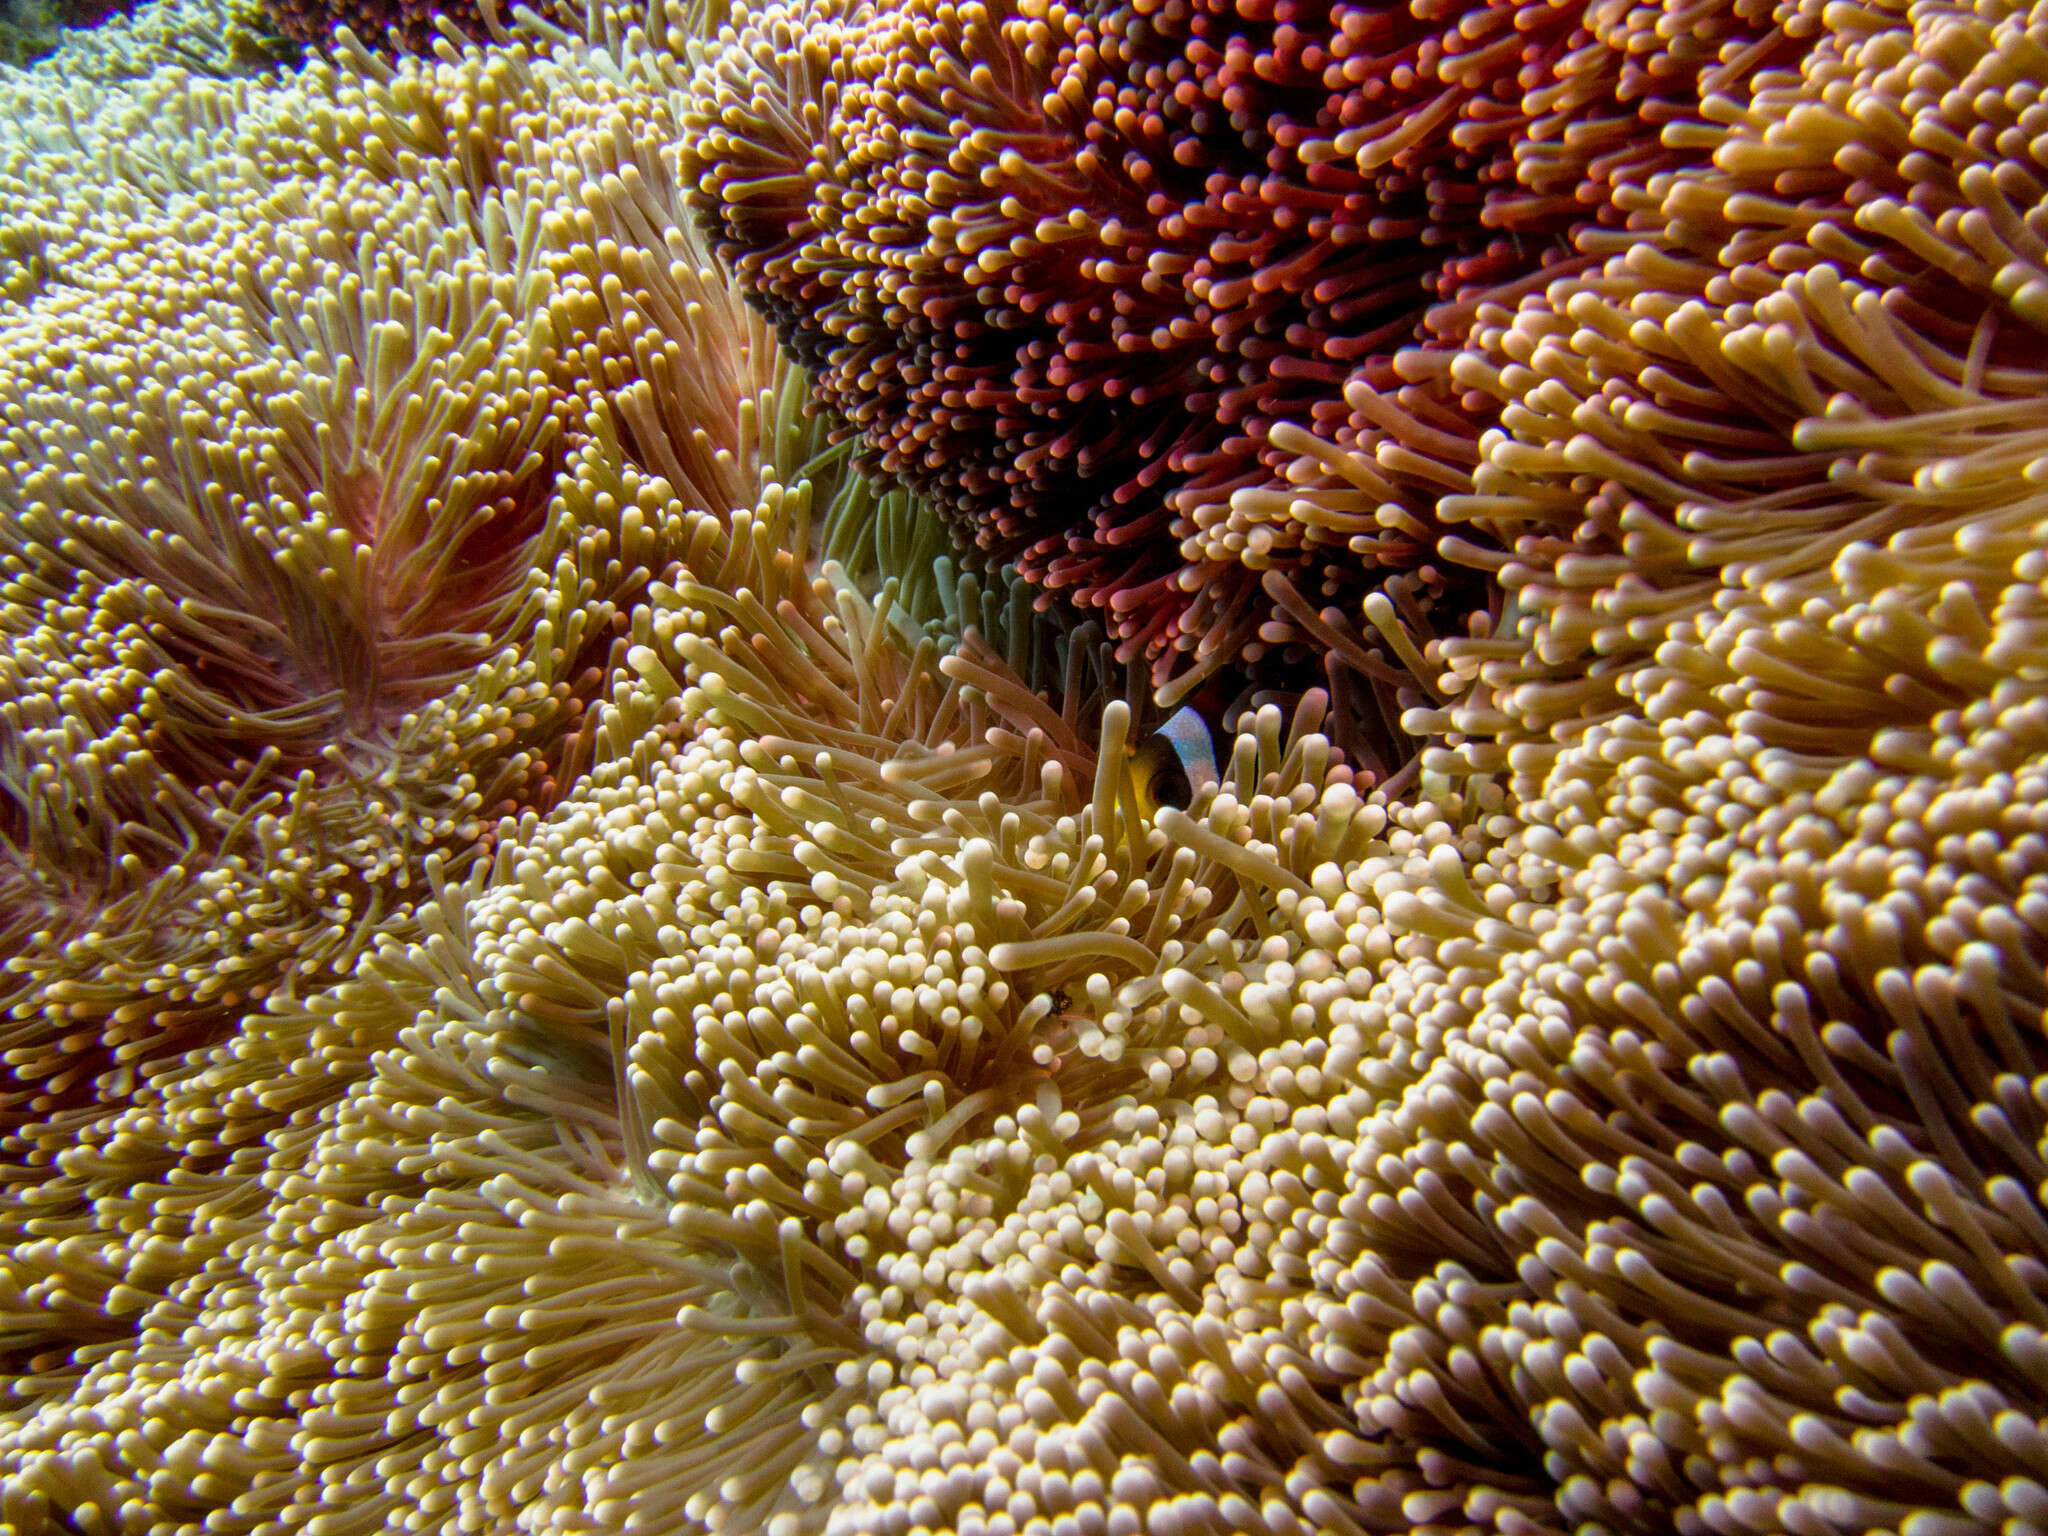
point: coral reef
(566, 971)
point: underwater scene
(1024, 767)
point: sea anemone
(734, 1055)
(1822, 379)
(826, 986)
(315, 544)
(388, 26)
(1092, 276)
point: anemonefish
(1175, 763)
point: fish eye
(1160, 777)
(1170, 786)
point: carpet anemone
(1094, 276)
(315, 546)
(570, 966)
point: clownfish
(1175, 763)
